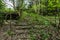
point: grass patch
(32, 18)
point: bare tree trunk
(14, 4)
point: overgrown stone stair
(17, 32)
(23, 31)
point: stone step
(24, 36)
(23, 27)
(21, 37)
(21, 31)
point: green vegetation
(34, 12)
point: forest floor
(30, 32)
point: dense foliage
(45, 13)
